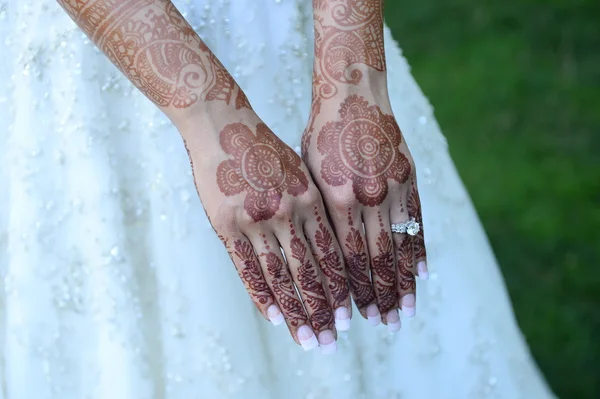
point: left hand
(366, 174)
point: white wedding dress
(113, 282)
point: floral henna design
(153, 45)
(384, 271)
(405, 256)
(262, 167)
(357, 266)
(364, 147)
(284, 290)
(331, 264)
(249, 271)
(310, 285)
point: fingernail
(422, 268)
(393, 321)
(342, 319)
(327, 343)
(373, 315)
(307, 338)
(275, 315)
(408, 305)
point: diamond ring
(410, 227)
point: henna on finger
(357, 265)
(308, 281)
(383, 269)
(414, 209)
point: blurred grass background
(516, 89)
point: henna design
(262, 167)
(284, 290)
(364, 147)
(357, 266)
(249, 271)
(154, 46)
(308, 279)
(414, 209)
(349, 36)
(405, 256)
(384, 271)
(331, 264)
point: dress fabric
(114, 284)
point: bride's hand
(359, 159)
(260, 199)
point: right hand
(260, 199)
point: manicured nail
(342, 319)
(373, 315)
(307, 338)
(422, 268)
(275, 315)
(327, 343)
(393, 321)
(408, 305)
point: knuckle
(312, 196)
(343, 199)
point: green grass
(516, 88)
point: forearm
(159, 52)
(349, 50)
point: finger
(328, 255)
(280, 283)
(247, 265)
(405, 268)
(350, 231)
(406, 274)
(414, 210)
(308, 280)
(383, 265)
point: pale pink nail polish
(422, 268)
(275, 315)
(393, 321)
(327, 342)
(307, 338)
(408, 305)
(373, 315)
(342, 319)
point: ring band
(410, 227)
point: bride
(116, 286)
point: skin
(358, 157)
(257, 193)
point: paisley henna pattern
(384, 272)
(153, 45)
(249, 271)
(364, 147)
(312, 289)
(284, 290)
(357, 266)
(261, 166)
(331, 264)
(414, 210)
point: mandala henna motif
(261, 166)
(249, 271)
(284, 290)
(153, 45)
(384, 273)
(364, 147)
(314, 294)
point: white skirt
(114, 284)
